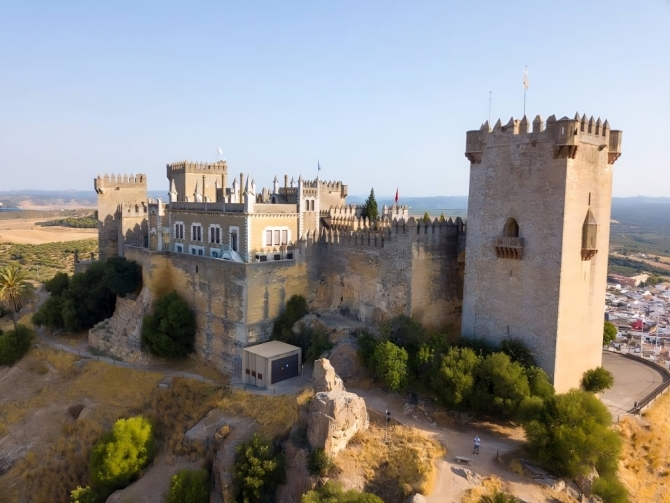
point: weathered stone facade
(537, 239)
(536, 262)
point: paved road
(633, 380)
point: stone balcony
(508, 247)
(588, 253)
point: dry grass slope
(645, 465)
(391, 471)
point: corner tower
(122, 212)
(537, 239)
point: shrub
(454, 382)
(189, 486)
(50, 313)
(366, 343)
(83, 495)
(539, 383)
(315, 341)
(257, 472)
(597, 380)
(609, 333)
(319, 463)
(390, 364)
(119, 457)
(296, 308)
(518, 352)
(571, 434)
(610, 489)
(498, 497)
(170, 330)
(15, 343)
(500, 385)
(332, 492)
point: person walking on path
(477, 442)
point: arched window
(511, 229)
(589, 236)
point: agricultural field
(43, 261)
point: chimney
(286, 181)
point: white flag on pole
(525, 78)
(219, 150)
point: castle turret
(537, 239)
(122, 212)
(187, 175)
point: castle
(538, 215)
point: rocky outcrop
(121, 335)
(298, 479)
(334, 417)
(325, 378)
(348, 364)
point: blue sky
(379, 92)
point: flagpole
(489, 107)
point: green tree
(442, 218)
(609, 333)
(189, 486)
(58, 284)
(122, 276)
(332, 492)
(571, 434)
(15, 343)
(50, 313)
(118, 458)
(170, 330)
(426, 218)
(454, 381)
(597, 380)
(539, 383)
(370, 210)
(15, 290)
(390, 364)
(257, 471)
(500, 385)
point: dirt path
(458, 438)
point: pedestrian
(477, 442)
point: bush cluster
(258, 471)
(319, 463)
(332, 492)
(189, 486)
(118, 458)
(15, 343)
(312, 340)
(76, 222)
(597, 380)
(469, 375)
(170, 330)
(79, 302)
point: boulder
(334, 417)
(416, 498)
(348, 364)
(325, 378)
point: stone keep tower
(537, 239)
(122, 212)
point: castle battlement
(219, 167)
(565, 134)
(101, 183)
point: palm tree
(15, 290)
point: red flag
(396, 196)
(637, 325)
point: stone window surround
(179, 230)
(233, 229)
(216, 251)
(195, 225)
(209, 234)
(273, 229)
